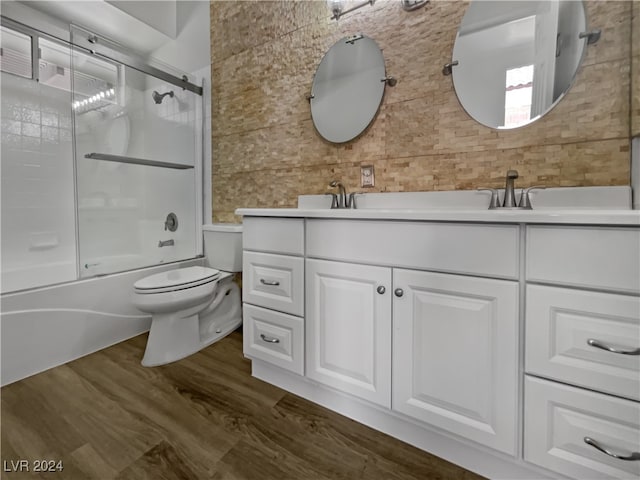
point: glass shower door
(38, 235)
(135, 155)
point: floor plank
(204, 417)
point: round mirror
(516, 59)
(347, 88)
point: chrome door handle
(603, 346)
(381, 289)
(398, 292)
(635, 456)
(269, 283)
(269, 339)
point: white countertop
(565, 205)
(554, 216)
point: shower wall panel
(37, 191)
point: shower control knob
(381, 289)
(398, 292)
(171, 223)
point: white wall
(483, 88)
(159, 15)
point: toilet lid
(177, 279)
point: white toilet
(193, 307)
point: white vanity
(497, 340)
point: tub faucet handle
(171, 222)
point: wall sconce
(337, 7)
(410, 5)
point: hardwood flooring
(107, 417)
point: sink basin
(562, 198)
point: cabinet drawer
(273, 281)
(485, 250)
(607, 258)
(273, 337)
(559, 324)
(276, 235)
(559, 417)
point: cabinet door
(455, 355)
(348, 328)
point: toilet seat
(177, 279)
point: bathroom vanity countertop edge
(578, 217)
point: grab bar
(136, 161)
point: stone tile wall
(266, 151)
(635, 70)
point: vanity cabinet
(497, 346)
(273, 292)
(455, 354)
(348, 328)
(583, 350)
(454, 337)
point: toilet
(193, 307)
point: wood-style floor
(107, 417)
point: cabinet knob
(398, 292)
(381, 289)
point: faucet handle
(351, 200)
(525, 199)
(334, 199)
(495, 199)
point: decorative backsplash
(266, 151)
(635, 71)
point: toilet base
(175, 336)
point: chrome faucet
(342, 193)
(509, 194)
(165, 243)
(509, 200)
(342, 200)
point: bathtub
(48, 326)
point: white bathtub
(48, 326)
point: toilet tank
(223, 246)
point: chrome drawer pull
(269, 339)
(594, 444)
(269, 283)
(604, 346)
